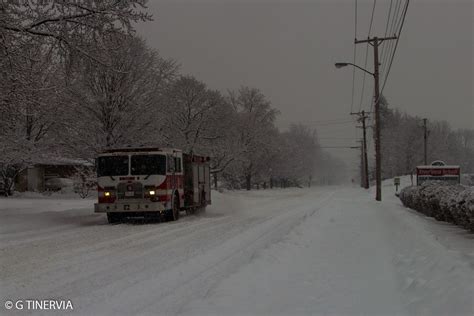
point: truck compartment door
(207, 183)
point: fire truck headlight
(152, 192)
(107, 194)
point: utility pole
(362, 164)
(375, 42)
(425, 142)
(362, 117)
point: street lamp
(378, 157)
(340, 65)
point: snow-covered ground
(325, 250)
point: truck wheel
(113, 218)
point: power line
(341, 138)
(372, 17)
(354, 59)
(340, 133)
(388, 45)
(366, 56)
(330, 123)
(388, 18)
(402, 17)
(393, 27)
(339, 147)
(385, 44)
(363, 78)
(342, 119)
(321, 124)
(407, 2)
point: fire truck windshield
(148, 164)
(112, 166)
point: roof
(62, 161)
(139, 149)
(438, 167)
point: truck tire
(114, 218)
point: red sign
(439, 173)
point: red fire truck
(148, 182)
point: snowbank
(467, 179)
(450, 203)
(66, 193)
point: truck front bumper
(129, 206)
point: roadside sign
(438, 171)
(396, 182)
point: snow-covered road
(325, 251)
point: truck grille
(129, 191)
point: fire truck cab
(149, 182)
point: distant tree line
(402, 137)
(76, 79)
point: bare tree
(116, 106)
(69, 27)
(256, 129)
(192, 115)
(30, 92)
(402, 143)
(39, 43)
(302, 151)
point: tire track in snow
(80, 271)
(86, 251)
(91, 262)
(174, 287)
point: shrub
(450, 203)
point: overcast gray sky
(288, 50)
